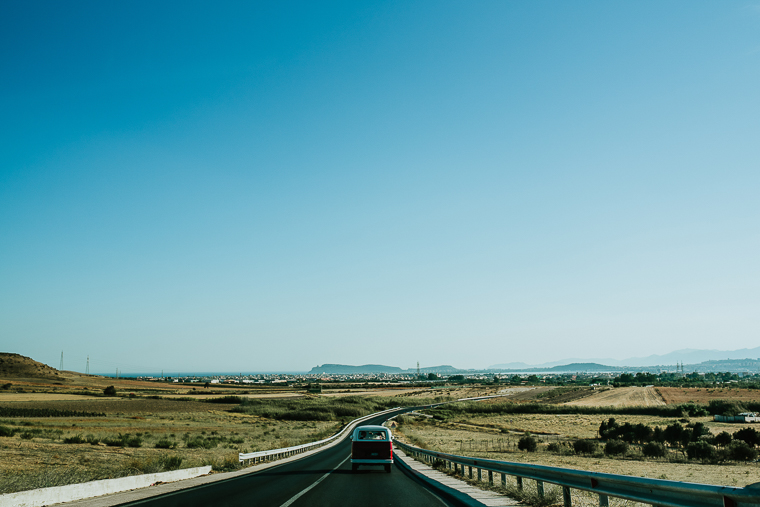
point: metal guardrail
(285, 452)
(657, 492)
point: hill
(16, 366)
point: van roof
(371, 427)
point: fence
(657, 492)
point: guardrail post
(480, 474)
(604, 501)
(503, 480)
(490, 477)
(469, 470)
(566, 496)
(519, 483)
(540, 488)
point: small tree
(527, 443)
(739, 450)
(749, 435)
(723, 438)
(584, 446)
(700, 450)
(654, 450)
(109, 391)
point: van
(371, 445)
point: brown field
(677, 395)
(622, 397)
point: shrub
(5, 431)
(700, 450)
(527, 443)
(170, 462)
(723, 438)
(165, 443)
(7, 386)
(654, 450)
(739, 450)
(202, 443)
(76, 439)
(748, 435)
(109, 391)
(615, 447)
(584, 446)
(226, 399)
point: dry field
(480, 440)
(677, 395)
(622, 397)
(198, 433)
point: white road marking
(302, 493)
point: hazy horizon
(276, 185)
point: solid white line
(302, 493)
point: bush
(723, 438)
(584, 446)
(748, 435)
(226, 399)
(738, 450)
(700, 450)
(654, 450)
(615, 448)
(109, 391)
(165, 443)
(76, 439)
(170, 462)
(527, 443)
(5, 431)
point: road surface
(322, 479)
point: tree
(739, 450)
(723, 438)
(672, 434)
(749, 435)
(700, 450)
(432, 376)
(654, 450)
(109, 391)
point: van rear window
(373, 435)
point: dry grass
(678, 395)
(483, 438)
(622, 397)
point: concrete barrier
(61, 494)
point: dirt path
(622, 397)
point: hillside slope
(16, 366)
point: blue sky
(270, 186)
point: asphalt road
(323, 479)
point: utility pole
(60, 368)
(418, 369)
(87, 371)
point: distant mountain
(686, 356)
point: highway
(323, 479)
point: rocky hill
(16, 366)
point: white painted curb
(61, 494)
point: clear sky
(247, 186)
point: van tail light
(390, 454)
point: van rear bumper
(371, 461)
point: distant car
(371, 445)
